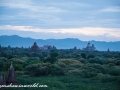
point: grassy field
(65, 83)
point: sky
(45, 19)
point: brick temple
(10, 77)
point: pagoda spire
(11, 66)
(11, 76)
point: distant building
(0, 48)
(89, 47)
(10, 78)
(35, 47)
(9, 47)
(48, 47)
(75, 48)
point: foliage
(95, 60)
(83, 55)
(69, 64)
(66, 69)
(117, 62)
(84, 61)
(113, 71)
(50, 60)
(90, 56)
(41, 69)
(17, 67)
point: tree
(91, 56)
(83, 55)
(51, 60)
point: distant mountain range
(17, 41)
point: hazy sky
(83, 19)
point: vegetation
(63, 69)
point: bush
(70, 61)
(84, 61)
(88, 74)
(53, 54)
(75, 72)
(38, 69)
(99, 68)
(117, 62)
(90, 56)
(69, 64)
(50, 60)
(96, 68)
(19, 73)
(95, 60)
(42, 69)
(56, 70)
(111, 64)
(17, 61)
(110, 61)
(108, 78)
(3, 59)
(83, 55)
(113, 71)
(17, 67)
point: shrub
(53, 54)
(108, 78)
(99, 68)
(75, 65)
(69, 64)
(117, 62)
(17, 61)
(50, 60)
(38, 69)
(110, 61)
(19, 73)
(70, 61)
(56, 70)
(42, 69)
(95, 60)
(111, 64)
(96, 68)
(3, 59)
(83, 55)
(74, 72)
(17, 67)
(84, 61)
(90, 56)
(88, 74)
(113, 71)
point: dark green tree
(83, 55)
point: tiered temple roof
(89, 47)
(35, 47)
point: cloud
(31, 6)
(111, 9)
(88, 31)
(59, 14)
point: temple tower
(11, 76)
(89, 47)
(35, 47)
(88, 44)
(93, 48)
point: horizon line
(59, 38)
